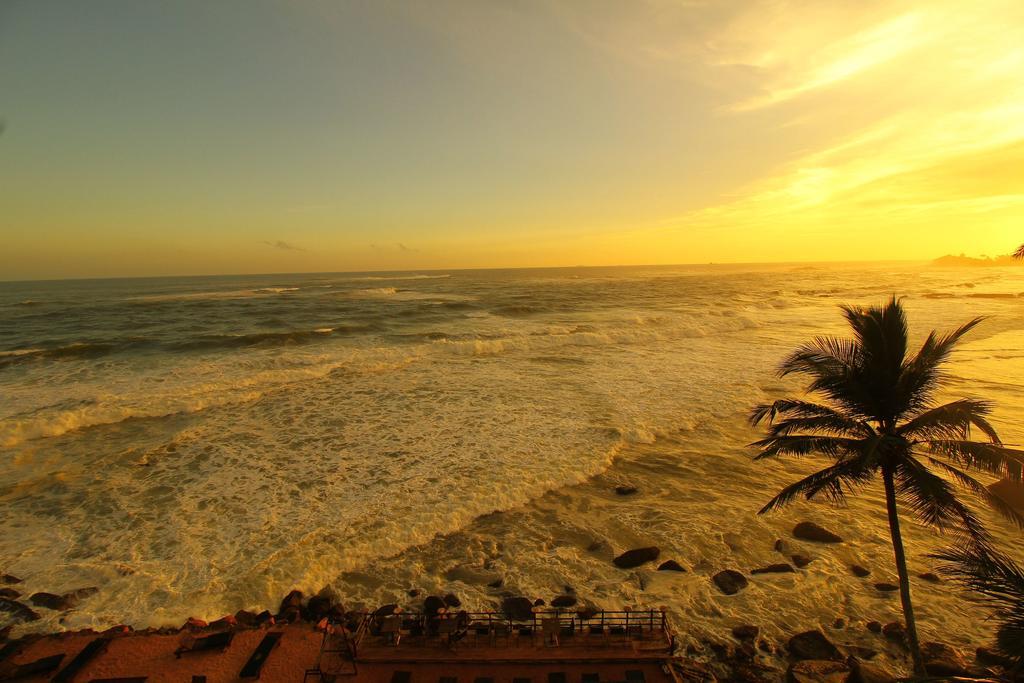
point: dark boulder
(869, 673)
(564, 601)
(817, 671)
(839, 624)
(452, 600)
(318, 607)
(245, 618)
(781, 546)
(9, 579)
(385, 610)
(931, 577)
(942, 660)
(874, 626)
(730, 581)
(497, 583)
(809, 531)
(18, 611)
(670, 566)
(801, 560)
(413, 592)
(636, 557)
(859, 570)
(813, 645)
(745, 632)
(433, 604)
(264, 617)
(517, 608)
(292, 600)
(886, 587)
(624, 490)
(895, 631)
(780, 568)
(54, 602)
(992, 657)
(9, 593)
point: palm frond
(980, 490)
(1019, 253)
(952, 421)
(1001, 581)
(806, 444)
(990, 457)
(833, 483)
(933, 500)
(806, 416)
(922, 374)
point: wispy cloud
(281, 244)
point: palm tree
(1019, 253)
(1001, 581)
(879, 416)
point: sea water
(195, 446)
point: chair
(259, 655)
(499, 630)
(40, 667)
(85, 655)
(216, 641)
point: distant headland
(979, 261)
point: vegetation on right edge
(879, 416)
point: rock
(886, 587)
(596, 546)
(539, 602)
(895, 631)
(18, 611)
(119, 630)
(931, 577)
(413, 592)
(813, 645)
(781, 568)
(497, 583)
(8, 579)
(224, 623)
(636, 557)
(291, 615)
(9, 593)
(764, 646)
(292, 600)
(801, 560)
(745, 632)
(624, 490)
(318, 607)
(564, 601)
(432, 605)
(588, 612)
(817, 671)
(517, 608)
(194, 624)
(730, 581)
(670, 566)
(265, 617)
(860, 571)
(861, 652)
(452, 600)
(809, 531)
(54, 602)
(839, 623)
(942, 660)
(781, 546)
(862, 672)
(245, 618)
(874, 626)
(989, 656)
(385, 610)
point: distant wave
(97, 349)
(220, 294)
(400, 277)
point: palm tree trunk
(901, 570)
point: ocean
(194, 446)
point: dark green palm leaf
(952, 421)
(802, 444)
(980, 490)
(832, 483)
(990, 457)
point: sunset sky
(242, 136)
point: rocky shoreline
(742, 653)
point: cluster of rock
(16, 611)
